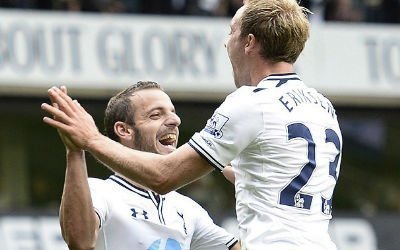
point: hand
(75, 125)
(69, 145)
(229, 173)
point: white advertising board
(98, 54)
(43, 233)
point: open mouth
(168, 140)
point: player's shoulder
(98, 184)
(242, 93)
(242, 98)
(96, 181)
(178, 196)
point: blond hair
(280, 26)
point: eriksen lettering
(296, 97)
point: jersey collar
(127, 185)
(276, 80)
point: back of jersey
(286, 176)
(284, 143)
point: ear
(123, 130)
(250, 44)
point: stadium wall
(95, 55)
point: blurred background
(97, 47)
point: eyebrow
(159, 109)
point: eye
(155, 116)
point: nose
(173, 120)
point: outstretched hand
(69, 145)
(75, 125)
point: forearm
(78, 220)
(161, 173)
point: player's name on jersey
(297, 97)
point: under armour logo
(142, 213)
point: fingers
(64, 89)
(55, 124)
(59, 121)
(64, 102)
(63, 113)
(54, 104)
(55, 112)
(77, 103)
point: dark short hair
(119, 107)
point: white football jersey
(133, 218)
(284, 143)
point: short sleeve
(99, 200)
(207, 235)
(232, 127)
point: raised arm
(78, 220)
(79, 223)
(161, 173)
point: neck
(128, 144)
(132, 182)
(261, 71)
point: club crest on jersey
(215, 124)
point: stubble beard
(142, 145)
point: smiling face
(156, 124)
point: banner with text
(98, 54)
(42, 232)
